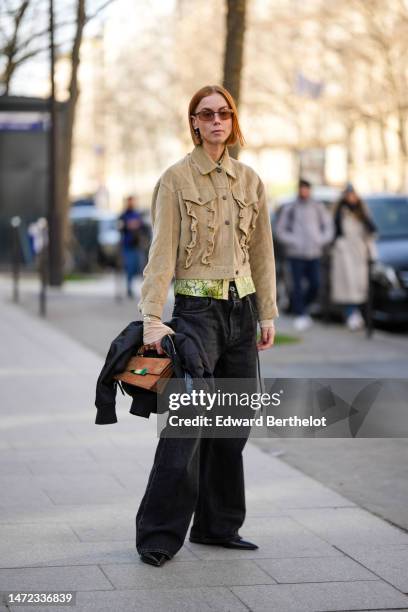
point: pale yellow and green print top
(213, 288)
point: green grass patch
(286, 339)
(78, 276)
(283, 339)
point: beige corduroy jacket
(210, 221)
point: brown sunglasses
(208, 115)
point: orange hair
(207, 90)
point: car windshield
(390, 216)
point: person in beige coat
(352, 250)
(212, 234)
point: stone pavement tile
(318, 569)
(29, 497)
(68, 488)
(179, 575)
(124, 470)
(283, 528)
(390, 563)
(143, 451)
(295, 493)
(49, 343)
(322, 596)
(118, 511)
(49, 438)
(86, 489)
(293, 543)
(24, 456)
(42, 467)
(134, 482)
(104, 530)
(62, 578)
(32, 533)
(10, 467)
(349, 526)
(260, 464)
(216, 599)
(81, 553)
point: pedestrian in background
(352, 250)
(304, 227)
(130, 225)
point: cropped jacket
(210, 221)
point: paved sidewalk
(70, 490)
(369, 471)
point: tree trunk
(384, 151)
(234, 51)
(65, 150)
(403, 150)
(349, 150)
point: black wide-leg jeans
(197, 475)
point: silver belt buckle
(233, 288)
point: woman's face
(216, 131)
(351, 197)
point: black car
(390, 272)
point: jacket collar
(206, 164)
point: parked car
(95, 238)
(390, 273)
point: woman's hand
(153, 332)
(156, 346)
(267, 338)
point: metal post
(54, 224)
(369, 308)
(15, 223)
(43, 265)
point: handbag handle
(142, 349)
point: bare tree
(24, 37)
(371, 67)
(13, 51)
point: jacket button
(219, 169)
(224, 197)
(227, 222)
(236, 272)
(200, 199)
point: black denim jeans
(203, 476)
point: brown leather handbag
(146, 372)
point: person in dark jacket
(130, 225)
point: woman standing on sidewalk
(352, 249)
(211, 230)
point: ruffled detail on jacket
(193, 227)
(210, 237)
(246, 233)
